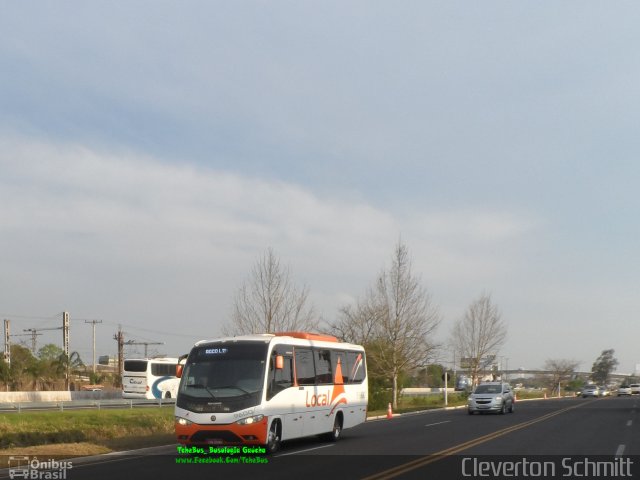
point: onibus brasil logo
(33, 468)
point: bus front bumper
(188, 433)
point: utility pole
(65, 342)
(93, 322)
(119, 337)
(7, 342)
(34, 333)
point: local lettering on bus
(318, 399)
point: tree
(561, 371)
(395, 322)
(603, 366)
(48, 356)
(478, 336)
(5, 374)
(21, 367)
(49, 352)
(268, 302)
(358, 324)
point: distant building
(108, 360)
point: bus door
(310, 397)
(282, 393)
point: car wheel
(511, 407)
(470, 412)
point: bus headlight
(250, 420)
(183, 421)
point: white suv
(635, 388)
(491, 397)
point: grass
(104, 429)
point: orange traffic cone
(545, 395)
(389, 412)
(515, 397)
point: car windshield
(488, 389)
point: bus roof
(299, 338)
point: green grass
(101, 427)
(412, 404)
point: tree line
(44, 371)
(395, 319)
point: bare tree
(479, 335)
(268, 302)
(395, 321)
(561, 371)
(357, 323)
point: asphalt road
(436, 444)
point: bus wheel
(334, 434)
(273, 439)
(167, 395)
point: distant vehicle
(92, 388)
(635, 388)
(604, 391)
(590, 391)
(624, 390)
(150, 378)
(491, 397)
(462, 383)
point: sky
(150, 152)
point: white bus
(262, 389)
(150, 378)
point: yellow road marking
(434, 457)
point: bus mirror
(179, 370)
(279, 362)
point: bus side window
(356, 367)
(305, 370)
(279, 378)
(341, 359)
(323, 367)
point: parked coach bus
(262, 389)
(150, 378)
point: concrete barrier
(58, 396)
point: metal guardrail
(20, 407)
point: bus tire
(167, 395)
(336, 431)
(274, 437)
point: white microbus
(150, 378)
(262, 389)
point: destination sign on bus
(216, 351)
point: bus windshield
(224, 376)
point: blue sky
(150, 152)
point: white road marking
(438, 423)
(620, 450)
(300, 451)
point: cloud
(118, 234)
